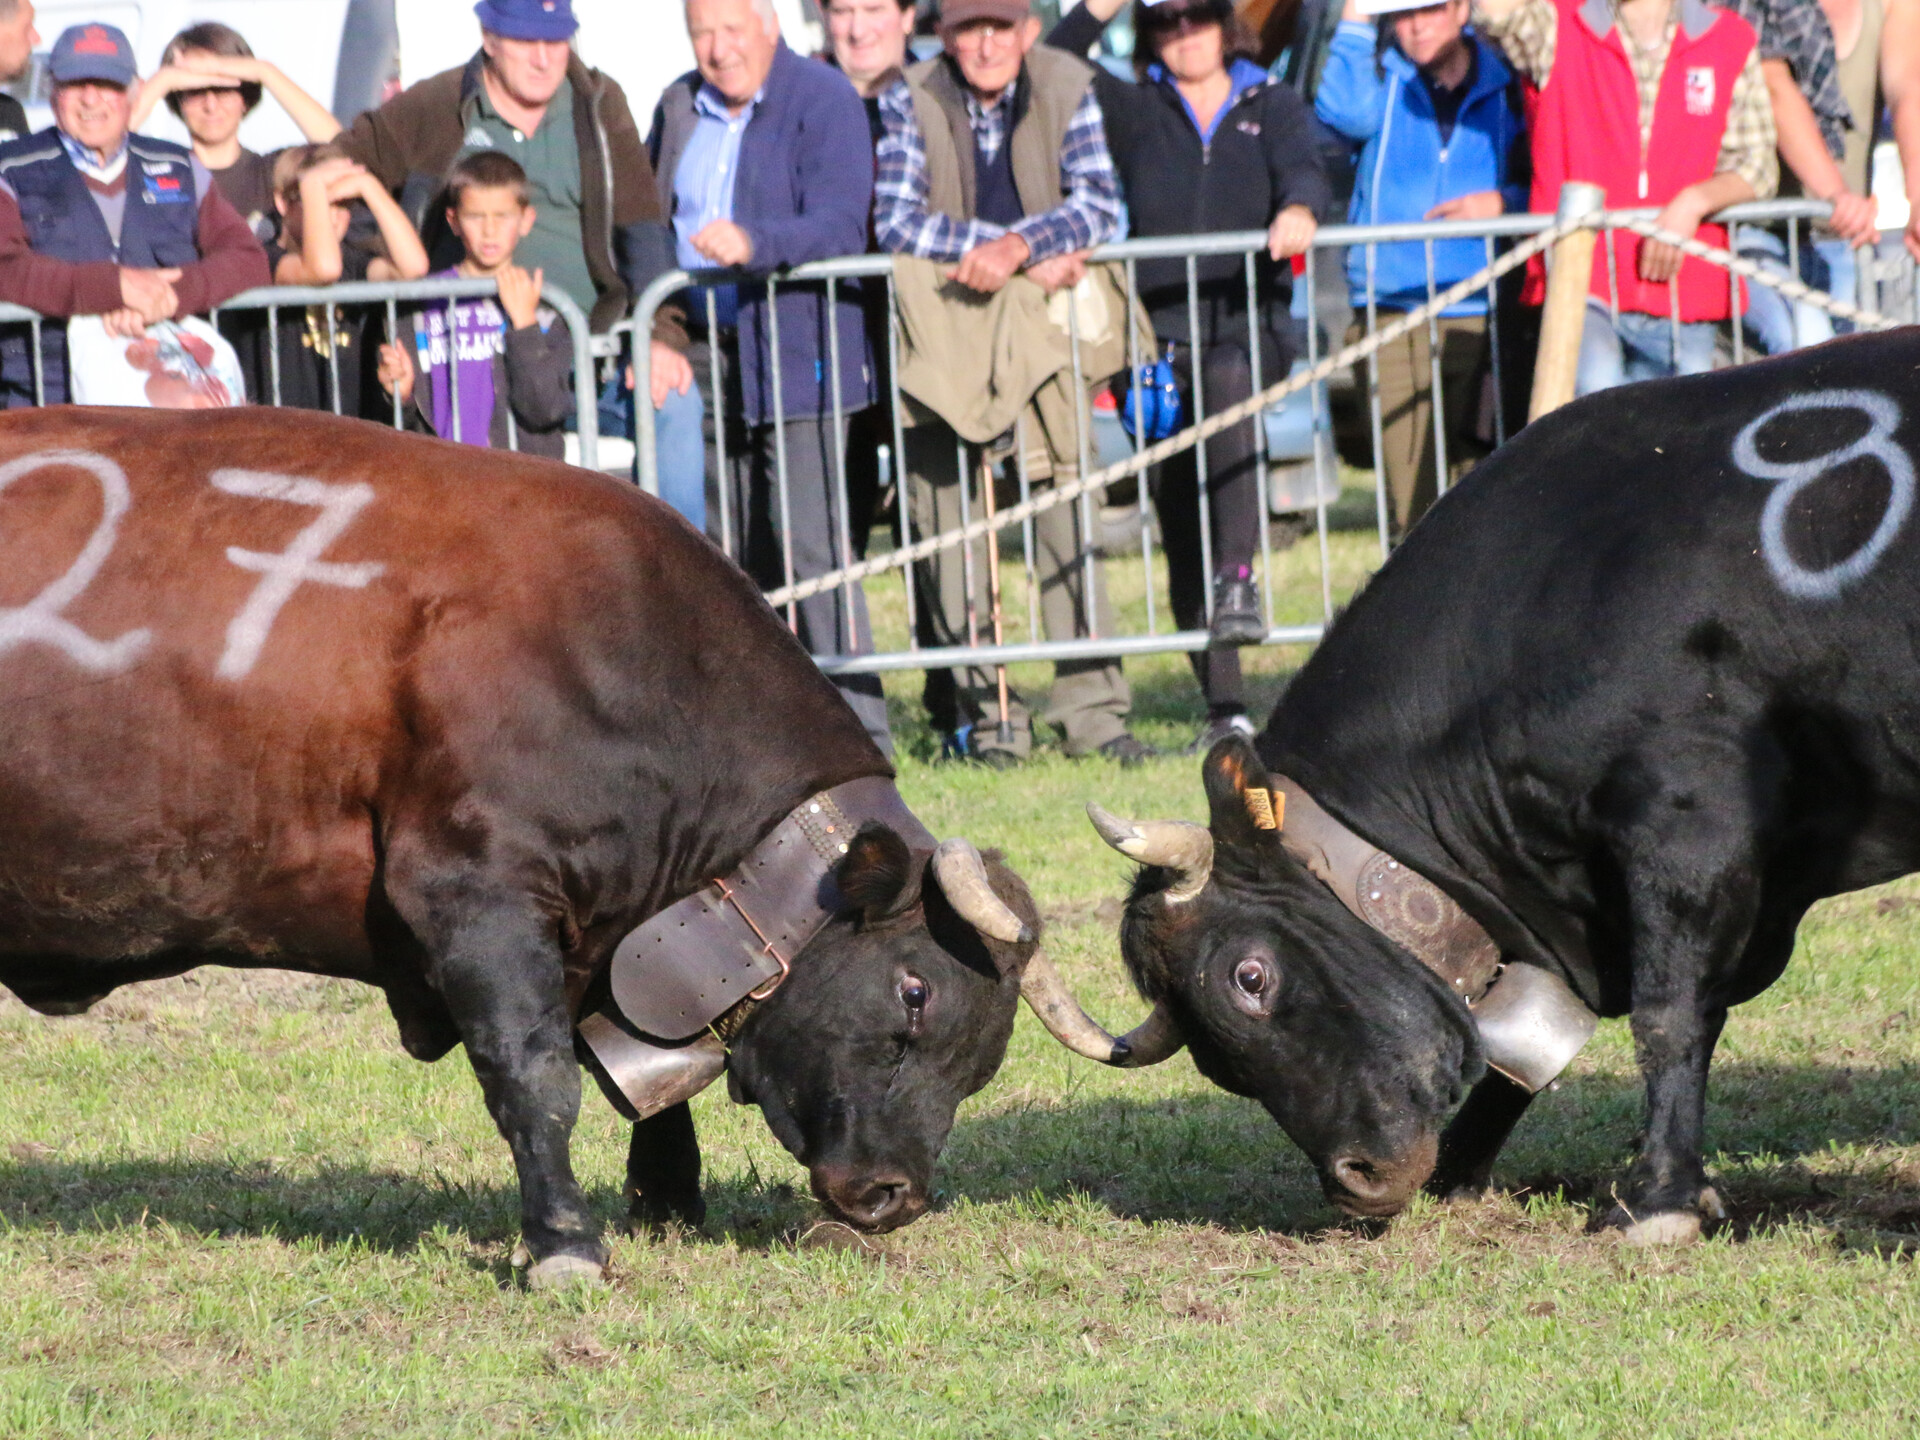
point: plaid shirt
(904, 225)
(1530, 35)
(1797, 32)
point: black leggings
(1233, 506)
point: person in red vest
(1660, 102)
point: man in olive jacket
(529, 96)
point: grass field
(230, 1206)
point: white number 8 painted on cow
(1791, 479)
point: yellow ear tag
(1260, 808)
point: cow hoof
(521, 1257)
(557, 1272)
(1672, 1227)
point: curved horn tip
(962, 876)
(1116, 832)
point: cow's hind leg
(495, 959)
(663, 1170)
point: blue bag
(1159, 397)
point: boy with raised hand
(516, 348)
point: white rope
(1410, 320)
(1182, 440)
(1787, 285)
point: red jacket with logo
(1587, 127)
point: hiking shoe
(959, 745)
(1218, 729)
(1236, 612)
(1128, 750)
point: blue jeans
(677, 441)
(682, 452)
(1638, 347)
(1776, 324)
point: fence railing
(352, 300)
(1882, 282)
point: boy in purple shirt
(479, 371)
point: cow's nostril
(1360, 1178)
(876, 1202)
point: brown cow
(286, 690)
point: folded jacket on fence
(1409, 162)
(525, 372)
(802, 190)
(978, 360)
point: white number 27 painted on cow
(40, 621)
(1790, 478)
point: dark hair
(1238, 42)
(487, 170)
(216, 39)
(295, 161)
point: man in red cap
(95, 221)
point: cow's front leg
(1474, 1137)
(1690, 860)
(663, 1170)
(1665, 1195)
(500, 973)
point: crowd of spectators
(989, 164)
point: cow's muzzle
(875, 1202)
(1361, 1185)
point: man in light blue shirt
(703, 184)
(765, 161)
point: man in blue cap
(599, 232)
(94, 221)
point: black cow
(1632, 697)
(278, 689)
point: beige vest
(1054, 82)
(1859, 77)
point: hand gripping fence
(1409, 320)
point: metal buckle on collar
(767, 947)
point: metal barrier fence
(355, 298)
(1884, 281)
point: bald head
(733, 44)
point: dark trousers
(1233, 506)
(780, 538)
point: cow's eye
(1255, 984)
(913, 992)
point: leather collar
(1531, 1023)
(733, 940)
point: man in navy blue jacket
(764, 160)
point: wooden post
(1569, 281)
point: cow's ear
(877, 878)
(1244, 808)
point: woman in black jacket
(1206, 141)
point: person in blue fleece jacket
(1437, 114)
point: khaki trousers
(1090, 700)
(1403, 370)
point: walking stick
(1004, 732)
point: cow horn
(963, 880)
(1154, 1039)
(1176, 845)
